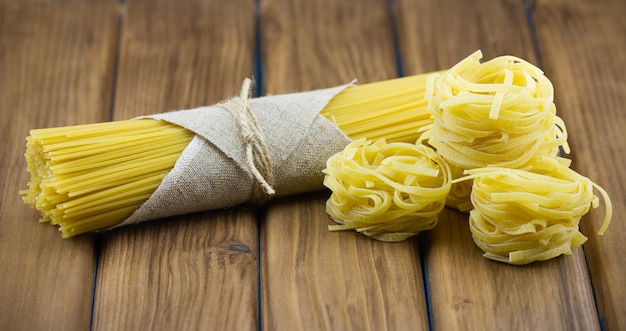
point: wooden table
(70, 62)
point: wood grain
(313, 279)
(279, 268)
(586, 60)
(308, 45)
(191, 272)
(184, 273)
(468, 292)
(55, 69)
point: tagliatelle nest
(497, 113)
(496, 134)
(531, 214)
(386, 191)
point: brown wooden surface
(198, 270)
(55, 70)
(466, 290)
(278, 267)
(584, 51)
(312, 279)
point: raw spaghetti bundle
(97, 176)
(531, 214)
(387, 191)
(497, 113)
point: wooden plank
(309, 45)
(584, 50)
(313, 279)
(56, 60)
(191, 272)
(468, 292)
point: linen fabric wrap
(212, 172)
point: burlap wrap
(213, 173)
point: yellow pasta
(481, 136)
(393, 109)
(90, 177)
(459, 192)
(388, 191)
(500, 112)
(532, 213)
(498, 120)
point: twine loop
(257, 155)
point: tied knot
(257, 155)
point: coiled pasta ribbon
(500, 113)
(387, 191)
(532, 213)
(496, 136)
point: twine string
(257, 155)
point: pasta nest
(387, 191)
(500, 112)
(532, 213)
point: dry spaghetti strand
(394, 109)
(90, 177)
